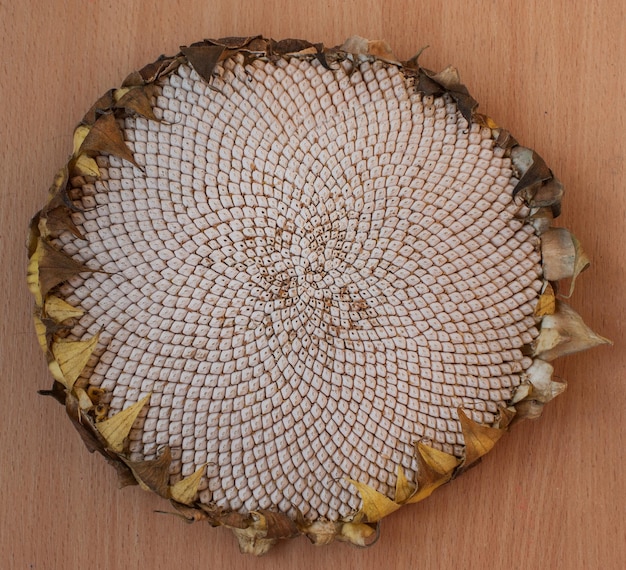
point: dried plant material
(546, 304)
(47, 268)
(153, 474)
(105, 137)
(72, 356)
(186, 490)
(60, 311)
(564, 332)
(322, 532)
(115, 430)
(84, 401)
(357, 45)
(404, 488)
(448, 81)
(435, 468)
(358, 534)
(326, 280)
(42, 333)
(203, 59)
(374, 506)
(544, 388)
(558, 253)
(479, 439)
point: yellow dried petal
(84, 401)
(479, 439)
(186, 489)
(404, 488)
(374, 505)
(72, 356)
(60, 311)
(435, 468)
(48, 267)
(41, 330)
(356, 533)
(546, 304)
(80, 133)
(86, 166)
(115, 430)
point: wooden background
(552, 493)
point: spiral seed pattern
(310, 271)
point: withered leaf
(105, 136)
(234, 520)
(447, 81)
(72, 356)
(546, 304)
(60, 310)
(57, 392)
(359, 534)
(288, 45)
(115, 430)
(133, 79)
(102, 105)
(479, 439)
(91, 438)
(153, 474)
(533, 177)
(186, 490)
(203, 58)
(139, 101)
(59, 220)
(564, 332)
(374, 505)
(84, 165)
(162, 66)
(47, 268)
(234, 43)
(404, 488)
(435, 468)
(277, 525)
(189, 514)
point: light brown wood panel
(552, 493)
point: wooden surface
(552, 493)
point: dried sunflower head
(291, 289)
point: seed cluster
(310, 271)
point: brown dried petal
(106, 136)
(203, 59)
(153, 474)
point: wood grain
(552, 493)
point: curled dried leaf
(564, 332)
(543, 388)
(359, 534)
